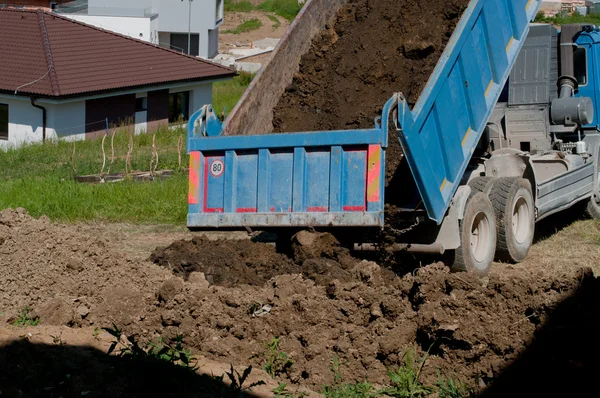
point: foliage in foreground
(404, 382)
(26, 318)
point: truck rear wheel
(513, 203)
(477, 237)
(592, 209)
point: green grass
(238, 6)
(26, 319)
(246, 26)
(559, 19)
(228, 93)
(275, 20)
(40, 178)
(287, 9)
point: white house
(60, 78)
(164, 22)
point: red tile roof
(52, 56)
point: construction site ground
(229, 297)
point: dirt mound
(373, 49)
(361, 313)
(317, 256)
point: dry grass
(567, 243)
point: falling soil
(373, 49)
(321, 303)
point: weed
(57, 340)
(246, 26)
(281, 391)
(277, 361)
(160, 350)
(96, 332)
(340, 390)
(236, 387)
(275, 20)
(452, 387)
(26, 318)
(406, 379)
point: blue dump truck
(504, 134)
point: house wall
(24, 122)
(171, 17)
(78, 119)
(136, 27)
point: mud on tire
(513, 204)
(477, 237)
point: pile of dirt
(373, 49)
(321, 303)
(230, 263)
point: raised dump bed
(334, 178)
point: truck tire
(592, 209)
(477, 237)
(482, 184)
(515, 214)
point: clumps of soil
(229, 263)
(360, 312)
(373, 49)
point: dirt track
(324, 303)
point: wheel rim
(480, 238)
(521, 220)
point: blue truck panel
(442, 131)
(337, 178)
(300, 179)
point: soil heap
(373, 49)
(227, 299)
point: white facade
(142, 28)
(66, 119)
(164, 22)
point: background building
(65, 79)
(163, 22)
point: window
(580, 61)
(141, 104)
(53, 5)
(179, 106)
(3, 122)
(179, 42)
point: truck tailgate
(332, 178)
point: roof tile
(53, 56)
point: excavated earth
(228, 298)
(371, 50)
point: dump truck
(504, 134)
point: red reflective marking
(272, 210)
(246, 210)
(316, 209)
(194, 178)
(355, 208)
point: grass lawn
(40, 178)
(287, 9)
(246, 26)
(593, 18)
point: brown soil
(373, 49)
(321, 303)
